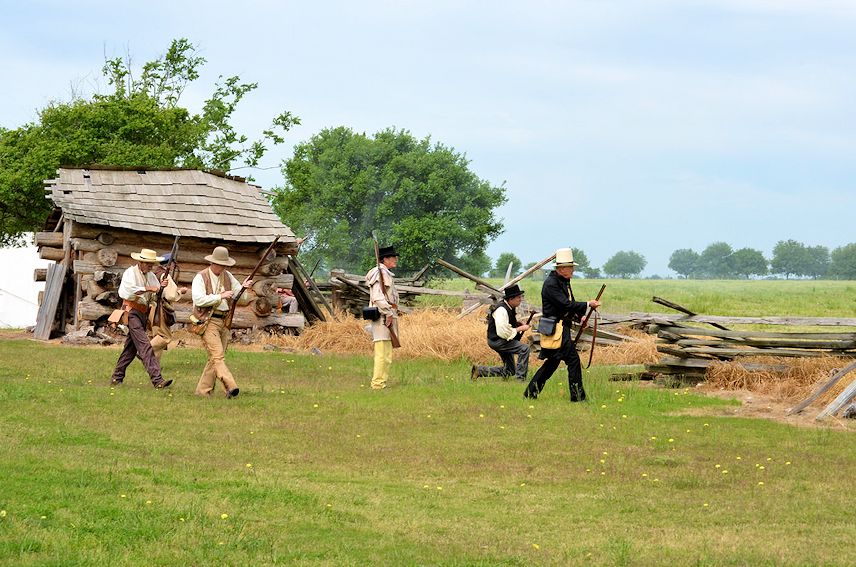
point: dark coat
(557, 300)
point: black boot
(578, 394)
(532, 390)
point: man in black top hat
(503, 336)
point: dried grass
(434, 333)
(800, 379)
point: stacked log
(97, 256)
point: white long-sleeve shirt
(202, 299)
(377, 298)
(503, 326)
(134, 283)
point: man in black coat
(503, 336)
(557, 301)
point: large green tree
(789, 258)
(625, 264)
(843, 262)
(139, 124)
(715, 261)
(502, 263)
(748, 262)
(684, 262)
(417, 195)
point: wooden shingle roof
(179, 202)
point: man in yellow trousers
(384, 296)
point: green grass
(312, 467)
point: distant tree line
(791, 259)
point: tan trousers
(382, 362)
(216, 338)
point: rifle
(157, 317)
(392, 335)
(584, 323)
(227, 322)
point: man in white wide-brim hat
(557, 302)
(212, 290)
(138, 291)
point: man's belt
(140, 307)
(218, 315)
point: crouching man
(503, 336)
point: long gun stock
(237, 296)
(168, 269)
(584, 322)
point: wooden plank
(468, 276)
(732, 352)
(823, 389)
(772, 343)
(697, 331)
(531, 270)
(682, 309)
(842, 400)
(791, 320)
(47, 309)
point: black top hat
(513, 291)
(386, 252)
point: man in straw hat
(138, 291)
(211, 289)
(557, 301)
(384, 296)
(503, 336)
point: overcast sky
(632, 125)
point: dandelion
(329, 368)
(656, 480)
(688, 430)
(603, 474)
(603, 406)
(536, 546)
(602, 461)
(358, 435)
(707, 425)
(249, 465)
(429, 416)
(739, 458)
(501, 407)
(605, 454)
(522, 484)
(531, 407)
(769, 458)
(439, 488)
(724, 472)
(481, 415)
(224, 516)
(44, 517)
(588, 470)
(717, 465)
(122, 496)
(644, 475)
(2, 513)
(502, 427)
(148, 502)
(760, 483)
(671, 440)
(653, 438)
(761, 468)
(181, 519)
(787, 462)
(314, 405)
(425, 486)
(529, 415)
(705, 505)
(221, 543)
(329, 505)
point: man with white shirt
(212, 288)
(138, 290)
(503, 336)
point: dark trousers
(568, 355)
(137, 345)
(506, 351)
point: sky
(646, 125)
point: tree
(789, 258)
(843, 262)
(420, 197)
(478, 263)
(748, 262)
(502, 263)
(139, 124)
(715, 261)
(816, 261)
(583, 267)
(684, 262)
(624, 264)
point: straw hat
(565, 257)
(220, 256)
(147, 255)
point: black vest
(491, 322)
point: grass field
(308, 466)
(755, 298)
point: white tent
(18, 292)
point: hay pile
(426, 333)
(800, 379)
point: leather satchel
(547, 325)
(371, 313)
(118, 317)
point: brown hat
(147, 255)
(220, 256)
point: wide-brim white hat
(147, 255)
(565, 257)
(220, 256)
